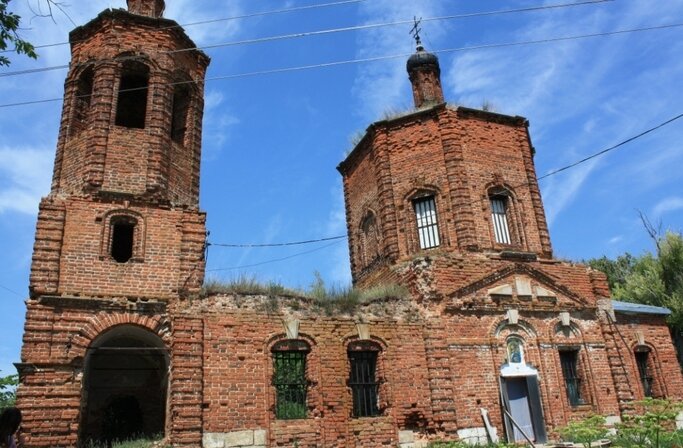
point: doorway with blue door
(521, 400)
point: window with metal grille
(289, 379)
(501, 231)
(569, 360)
(642, 359)
(427, 225)
(363, 382)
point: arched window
(122, 238)
(181, 106)
(427, 221)
(645, 371)
(363, 380)
(83, 100)
(131, 109)
(499, 218)
(369, 239)
(569, 361)
(289, 378)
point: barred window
(427, 225)
(289, 379)
(646, 379)
(363, 380)
(569, 361)
(499, 208)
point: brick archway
(125, 385)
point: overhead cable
(276, 259)
(316, 33)
(373, 59)
(551, 173)
(224, 19)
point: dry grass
(330, 300)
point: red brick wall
(72, 251)
(651, 331)
(459, 155)
(141, 162)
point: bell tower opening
(131, 109)
(125, 387)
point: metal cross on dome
(415, 31)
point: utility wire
(224, 19)
(551, 173)
(12, 291)
(370, 59)
(293, 243)
(275, 260)
(313, 33)
(611, 148)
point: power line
(373, 59)
(225, 19)
(12, 291)
(318, 33)
(275, 260)
(292, 243)
(611, 148)
(551, 173)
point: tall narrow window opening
(289, 379)
(499, 208)
(181, 105)
(122, 239)
(572, 381)
(363, 382)
(427, 225)
(131, 109)
(643, 361)
(84, 90)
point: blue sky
(272, 142)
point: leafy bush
(8, 386)
(585, 431)
(654, 428)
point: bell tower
(120, 236)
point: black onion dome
(422, 59)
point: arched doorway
(125, 386)
(520, 393)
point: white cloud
(615, 239)
(667, 205)
(26, 173)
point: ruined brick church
(496, 338)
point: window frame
(500, 220)
(363, 381)
(571, 375)
(426, 221)
(643, 358)
(291, 392)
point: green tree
(8, 386)
(9, 35)
(651, 279)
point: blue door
(518, 397)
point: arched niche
(125, 386)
